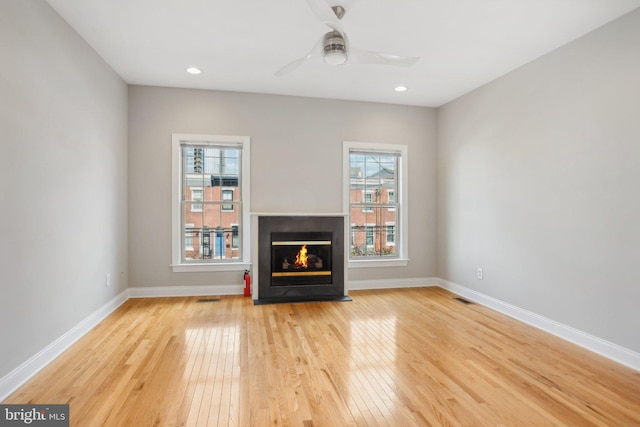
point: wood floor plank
(408, 357)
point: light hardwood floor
(409, 357)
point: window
(188, 237)
(391, 234)
(227, 196)
(369, 235)
(196, 196)
(368, 200)
(375, 188)
(210, 222)
(234, 236)
(391, 198)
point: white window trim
(402, 225)
(176, 188)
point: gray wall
(296, 144)
(63, 180)
(539, 184)
(537, 179)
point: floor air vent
(462, 300)
(209, 300)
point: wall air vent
(209, 300)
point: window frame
(232, 141)
(401, 196)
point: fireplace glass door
(301, 258)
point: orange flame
(301, 257)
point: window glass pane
(373, 204)
(214, 245)
(192, 214)
(189, 237)
(224, 168)
(356, 178)
(197, 195)
(369, 237)
(192, 166)
(231, 220)
(391, 237)
(227, 196)
(235, 235)
(358, 246)
(373, 233)
(211, 203)
(367, 199)
(193, 237)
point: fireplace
(300, 258)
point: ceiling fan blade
(290, 67)
(324, 12)
(369, 57)
(316, 52)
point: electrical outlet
(107, 281)
(479, 274)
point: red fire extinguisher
(247, 283)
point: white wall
(296, 156)
(539, 184)
(63, 180)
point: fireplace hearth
(300, 258)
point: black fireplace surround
(300, 258)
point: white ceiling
(240, 44)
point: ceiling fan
(334, 48)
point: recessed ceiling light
(400, 88)
(194, 70)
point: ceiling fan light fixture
(334, 49)
(335, 57)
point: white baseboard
(14, 379)
(185, 291)
(604, 348)
(358, 285)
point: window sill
(378, 263)
(195, 268)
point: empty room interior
(231, 213)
